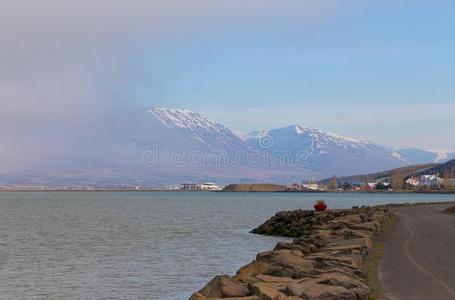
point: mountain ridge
(383, 176)
(326, 152)
(156, 146)
(410, 155)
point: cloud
(61, 61)
(61, 56)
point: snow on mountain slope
(183, 132)
(418, 156)
(326, 152)
(206, 147)
(443, 157)
(185, 119)
(196, 129)
(164, 145)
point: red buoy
(320, 205)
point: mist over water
(139, 245)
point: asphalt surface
(419, 261)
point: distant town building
(295, 187)
(210, 186)
(207, 186)
(371, 186)
(190, 186)
(304, 187)
(310, 186)
(383, 186)
(375, 186)
(413, 182)
(426, 181)
(431, 181)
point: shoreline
(324, 261)
(99, 190)
(435, 192)
(334, 255)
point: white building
(413, 181)
(425, 181)
(310, 186)
(210, 186)
(431, 180)
(372, 185)
(188, 186)
(206, 186)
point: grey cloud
(59, 59)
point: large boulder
(288, 263)
(223, 287)
(315, 291)
(266, 292)
(247, 272)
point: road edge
(371, 265)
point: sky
(379, 70)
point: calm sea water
(139, 245)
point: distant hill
(385, 175)
(258, 187)
(447, 168)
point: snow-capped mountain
(190, 127)
(326, 153)
(418, 156)
(163, 146)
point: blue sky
(383, 70)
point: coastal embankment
(324, 261)
(255, 187)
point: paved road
(419, 262)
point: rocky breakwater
(322, 262)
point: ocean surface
(140, 245)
